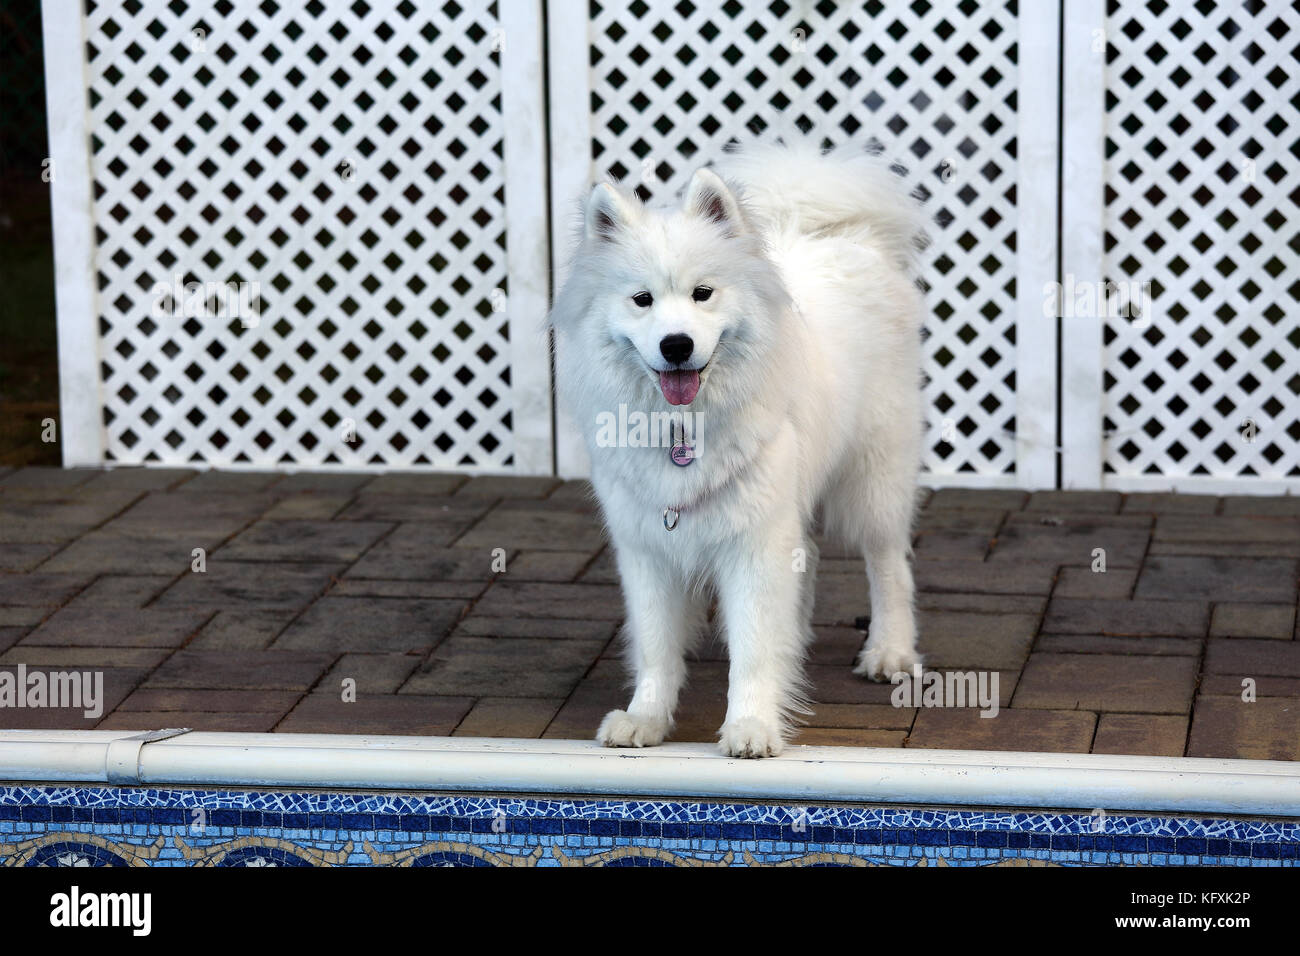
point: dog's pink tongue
(679, 387)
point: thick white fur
(810, 404)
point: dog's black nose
(676, 348)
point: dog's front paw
(621, 729)
(750, 737)
(882, 661)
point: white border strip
(527, 253)
(829, 774)
(72, 212)
(1082, 212)
(1036, 157)
(569, 56)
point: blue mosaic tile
(46, 825)
(262, 856)
(72, 853)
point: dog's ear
(708, 196)
(608, 213)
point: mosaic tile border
(143, 826)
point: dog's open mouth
(680, 386)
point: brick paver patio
(315, 581)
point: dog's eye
(643, 299)
(701, 293)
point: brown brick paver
(1035, 731)
(1270, 580)
(40, 589)
(965, 498)
(1257, 685)
(1254, 620)
(254, 670)
(848, 737)
(509, 717)
(1107, 683)
(1267, 729)
(534, 529)
(509, 598)
(226, 721)
(1144, 734)
(1114, 584)
(409, 553)
(389, 587)
(396, 624)
(1107, 644)
(105, 551)
(251, 585)
(1001, 577)
(189, 700)
(1253, 657)
(378, 714)
(1073, 544)
(369, 673)
(471, 667)
(988, 641)
(1104, 502)
(1126, 618)
(1170, 504)
(303, 541)
(118, 627)
(443, 519)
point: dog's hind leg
(664, 615)
(891, 642)
(873, 505)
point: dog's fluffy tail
(842, 192)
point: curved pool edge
(570, 767)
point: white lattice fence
(379, 169)
(353, 161)
(1201, 204)
(934, 87)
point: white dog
(777, 307)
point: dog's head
(671, 295)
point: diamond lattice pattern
(931, 85)
(1203, 202)
(347, 159)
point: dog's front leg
(662, 618)
(760, 595)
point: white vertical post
(527, 258)
(1036, 244)
(1084, 49)
(81, 429)
(571, 173)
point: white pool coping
(959, 778)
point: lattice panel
(1203, 201)
(346, 157)
(932, 85)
